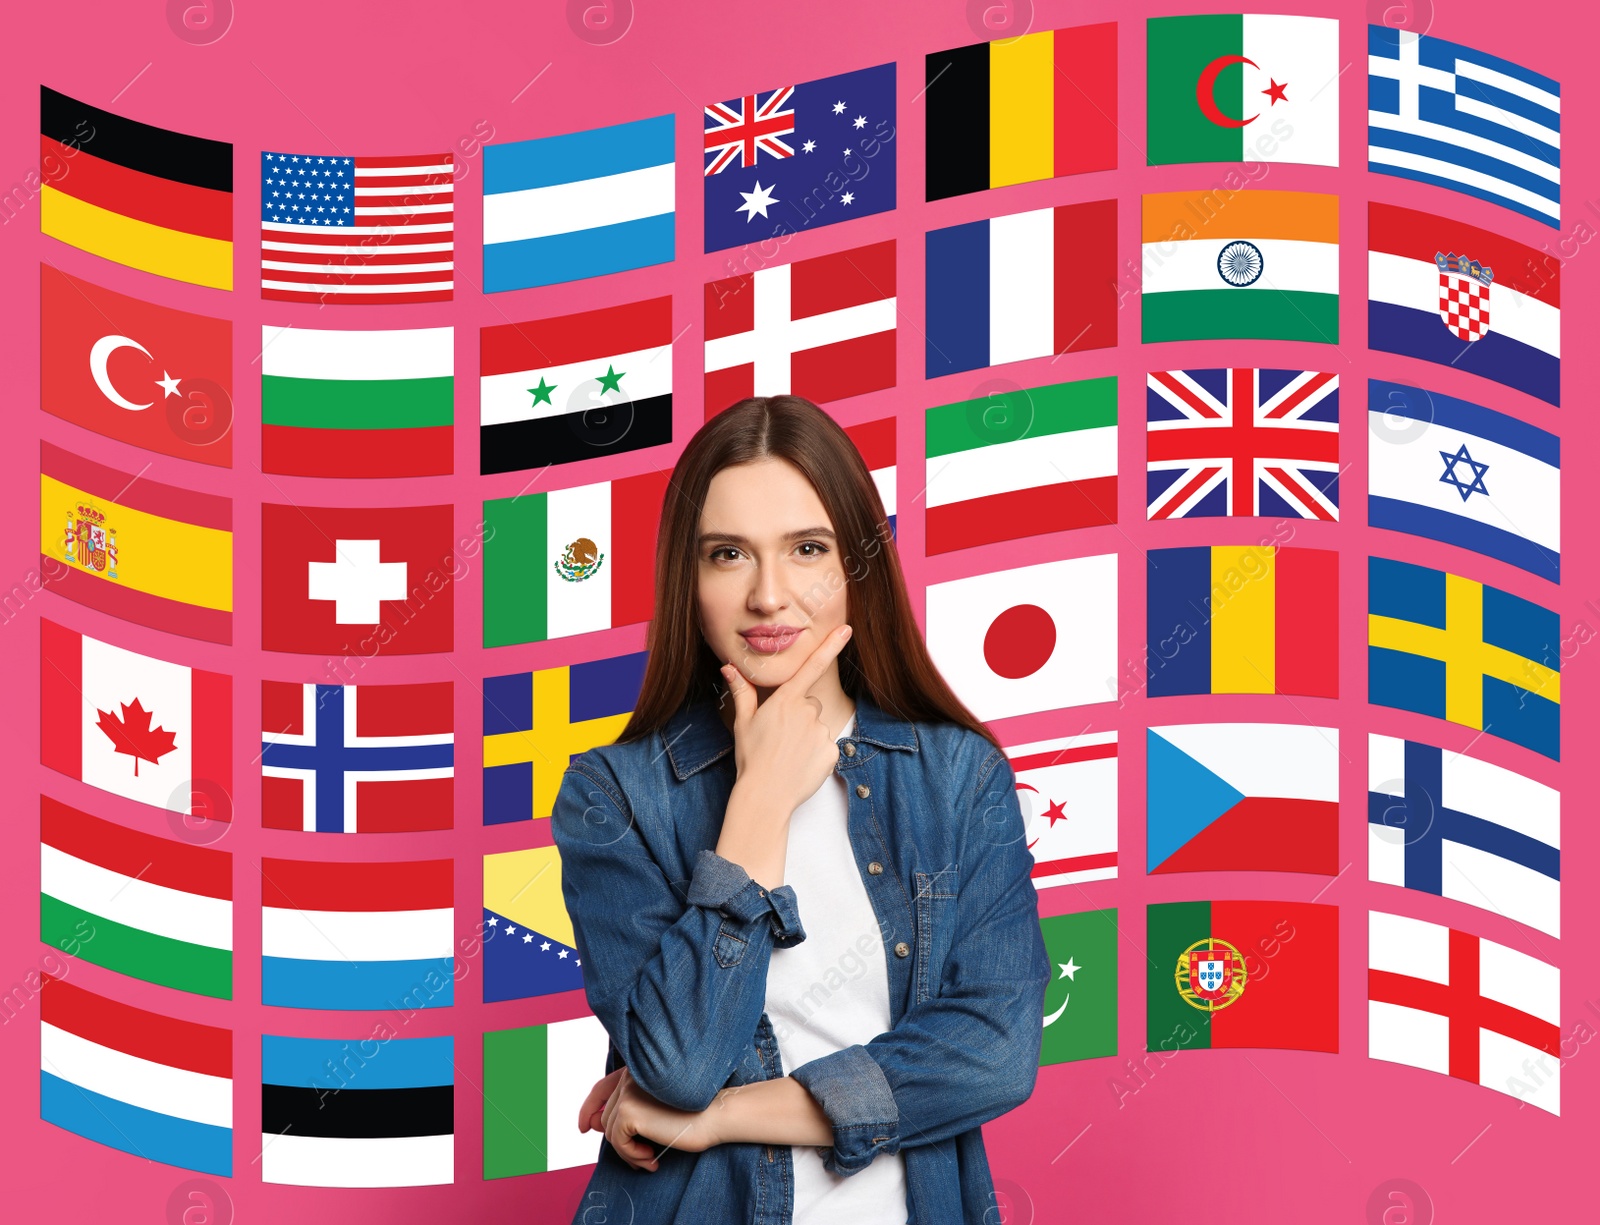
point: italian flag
(358, 404)
(160, 910)
(534, 1080)
(1230, 87)
(1224, 264)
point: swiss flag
(822, 328)
(356, 581)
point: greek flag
(1446, 114)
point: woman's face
(767, 555)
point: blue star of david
(1451, 477)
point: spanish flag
(143, 196)
(1020, 109)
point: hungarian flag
(143, 196)
(158, 378)
(1025, 285)
(535, 1078)
(157, 1087)
(349, 581)
(1021, 463)
(1258, 87)
(1035, 638)
(1080, 1000)
(157, 555)
(357, 759)
(357, 403)
(528, 945)
(1242, 797)
(357, 935)
(823, 328)
(1067, 791)
(160, 909)
(1450, 1002)
(331, 1118)
(1258, 265)
(572, 561)
(1020, 109)
(575, 387)
(1239, 974)
(138, 727)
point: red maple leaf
(133, 735)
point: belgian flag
(140, 195)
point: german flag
(143, 196)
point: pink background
(1215, 1135)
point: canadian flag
(822, 328)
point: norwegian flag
(746, 128)
(1243, 442)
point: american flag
(1243, 442)
(744, 129)
(357, 229)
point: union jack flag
(745, 128)
(1243, 442)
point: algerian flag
(1080, 1000)
(534, 1080)
(1254, 87)
(1241, 264)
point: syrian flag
(572, 561)
(1035, 638)
(534, 1080)
(160, 910)
(583, 386)
(357, 935)
(149, 375)
(1449, 1002)
(1457, 827)
(1067, 790)
(334, 1114)
(154, 1086)
(823, 328)
(352, 581)
(138, 727)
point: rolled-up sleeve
(678, 980)
(969, 1053)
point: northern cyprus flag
(1230, 87)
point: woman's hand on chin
(631, 1118)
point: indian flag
(1022, 463)
(1259, 265)
(160, 910)
(534, 1080)
(1231, 87)
(360, 404)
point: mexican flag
(1257, 87)
(1223, 264)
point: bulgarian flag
(1260, 265)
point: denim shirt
(676, 940)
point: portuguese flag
(1223, 264)
(1232, 974)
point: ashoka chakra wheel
(1240, 263)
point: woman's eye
(812, 544)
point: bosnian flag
(1449, 1002)
(1457, 827)
(1067, 790)
(1445, 292)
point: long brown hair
(886, 658)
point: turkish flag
(158, 378)
(357, 581)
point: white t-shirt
(831, 991)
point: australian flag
(799, 156)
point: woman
(817, 988)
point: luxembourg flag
(357, 935)
(1464, 475)
(1441, 291)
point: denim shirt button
(863, 790)
(849, 749)
(875, 868)
(902, 949)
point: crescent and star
(1205, 91)
(100, 355)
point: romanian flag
(1243, 619)
(1020, 109)
(143, 196)
(1442, 645)
(150, 553)
(528, 944)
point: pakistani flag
(1080, 1002)
(1255, 87)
